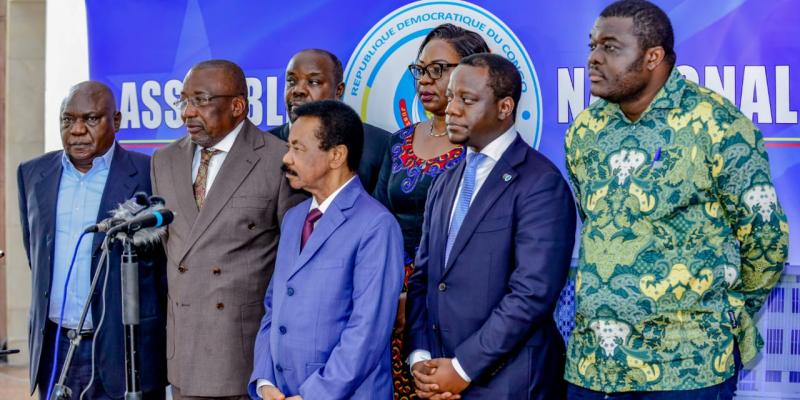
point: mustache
(288, 170)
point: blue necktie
(464, 199)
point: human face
(433, 92)
(88, 125)
(310, 76)
(208, 124)
(475, 116)
(306, 165)
(616, 62)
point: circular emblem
(380, 88)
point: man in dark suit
(316, 74)
(60, 194)
(495, 252)
(225, 181)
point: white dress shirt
(322, 208)
(215, 164)
(493, 151)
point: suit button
(290, 291)
(442, 287)
(279, 368)
(216, 271)
(181, 269)
(251, 226)
(46, 293)
(435, 328)
(282, 330)
(220, 306)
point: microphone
(136, 204)
(156, 218)
(104, 225)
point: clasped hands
(437, 379)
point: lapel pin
(506, 177)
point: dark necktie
(308, 226)
(202, 176)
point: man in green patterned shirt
(683, 234)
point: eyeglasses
(200, 100)
(434, 70)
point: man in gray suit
(224, 181)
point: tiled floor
(14, 383)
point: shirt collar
(668, 97)
(498, 146)
(325, 204)
(101, 162)
(226, 143)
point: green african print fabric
(683, 239)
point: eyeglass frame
(196, 101)
(424, 70)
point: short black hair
(504, 78)
(338, 124)
(338, 72)
(232, 70)
(651, 25)
(465, 42)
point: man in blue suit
(332, 301)
(60, 194)
(495, 252)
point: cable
(61, 317)
(102, 318)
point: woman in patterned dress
(418, 153)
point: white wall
(67, 60)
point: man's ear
(337, 156)
(505, 108)
(653, 57)
(239, 106)
(339, 90)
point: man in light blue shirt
(60, 194)
(79, 196)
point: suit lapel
(46, 190)
(334, 217)
(238, 164)
(117, 190)
(181, 167)
(502, 176)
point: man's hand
(270, 392)
(445, 376)
(298, 397)
(425, 382)
(400, 321)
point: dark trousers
(80, 371)
(723, 391)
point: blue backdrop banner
(747, 50)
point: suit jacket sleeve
(23, 214)
(377, 281)
(417, 336)
(262, 356)
(544, 236)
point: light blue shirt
(79, 196)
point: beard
(629, 86)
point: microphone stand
(129, 272)
(60, 390)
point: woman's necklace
(431, 133)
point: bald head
(232, 74)
(95, 90)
